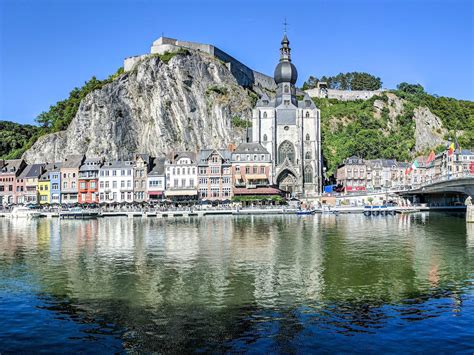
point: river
(346, 283)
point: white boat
(24, 212)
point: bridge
(449, 190)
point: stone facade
(215, 174)
(140, 171)
(289, 129)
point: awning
(155, 193)
(256, 177)
(181, 193)
(257, 191)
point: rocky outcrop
(158, 107)
(429, 130)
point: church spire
(285, 49)
(285, 45)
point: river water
(255, 283)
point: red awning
(155, 193)
(257, 191)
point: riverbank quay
(150, 213)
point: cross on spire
(285, 25)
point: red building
(89, 181)
(9, 186)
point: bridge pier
(470, 214)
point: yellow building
(44, 189)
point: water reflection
(224, 282)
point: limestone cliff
(182, 103)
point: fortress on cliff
(244, 75)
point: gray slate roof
(32, 171)
(158, 167)
(91, 164)
(11, 166)
(253, 147)
(176, 156)
(72, 161)
(205, 153)
(117, 164)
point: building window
(307, 155)
(308, 174)
(308, 137)
(307, 114)
(265, 138)
(83, 185)
(286, 150)
(265, 115)
(287, 89)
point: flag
(414, 165)
(451, 149)
(431, 157)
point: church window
(307, 114)
(307, 137)
(265, 138)
(265, 115)
(308, 103)
(308, 174)
(287, 89)
(286, 150)
(286, 102)
(286, 128)
(307, 155)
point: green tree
(411, 88)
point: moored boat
(24, 212)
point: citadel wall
(243, 74)
(343, 95)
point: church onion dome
(285, 71)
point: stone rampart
(343, 95)
(243, 74)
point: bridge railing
(442, 178)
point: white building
(181, 176)
(289, 128)
(156, 181)
(116, 182)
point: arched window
(265, 114)
(286, 150)
(287, 89)
(307, 137)
(308, 174)
(307, 114)
(307, 155)
(265, 138)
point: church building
(288, 126)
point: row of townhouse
(357, 174)
(210, 174)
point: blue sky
(49, 47)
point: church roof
(253, 147)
